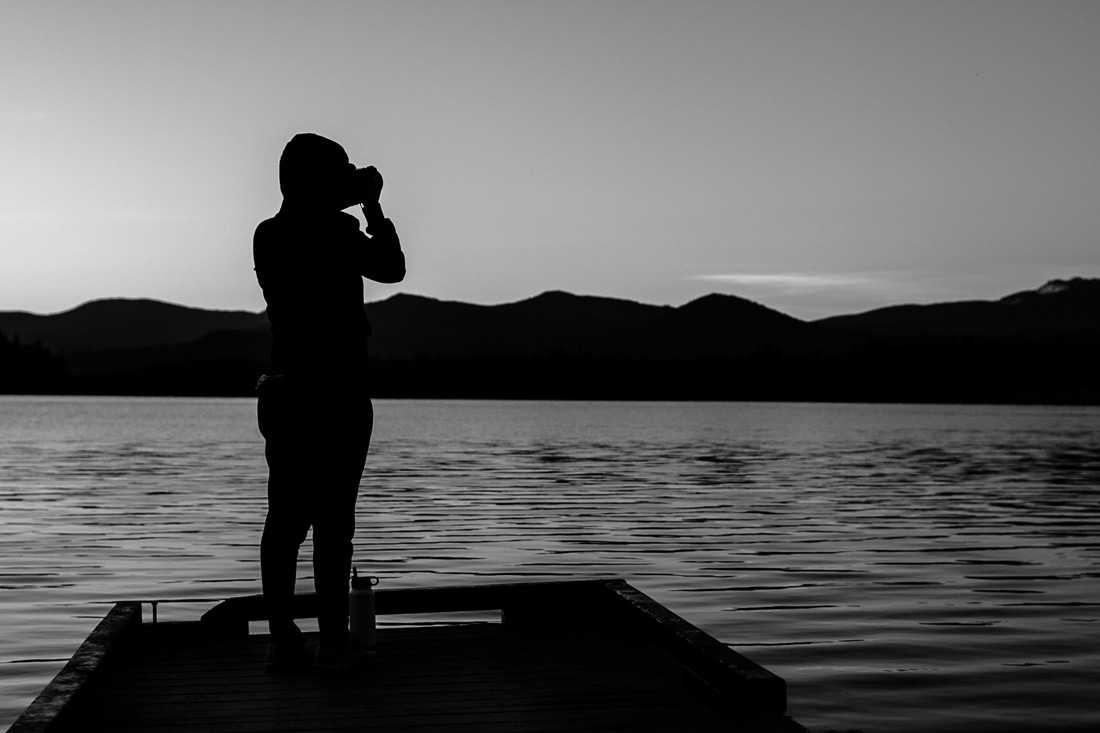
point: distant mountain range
(1034, 346)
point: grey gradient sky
(819, 157)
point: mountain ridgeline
(1039, 346)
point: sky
(820, 157)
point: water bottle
(361, 607)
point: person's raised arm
(382, 260)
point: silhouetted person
(314, 411)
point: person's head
(316, 171)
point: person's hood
(314, 170)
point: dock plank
(479, 677)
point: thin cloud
(816, 295)
(795, 281)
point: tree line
(949, 369)
(31, 368)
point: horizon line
(814, 280)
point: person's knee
(333, 538)
(283, 534)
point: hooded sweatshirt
(310, 261)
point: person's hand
(369, 183)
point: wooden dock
(565, 656)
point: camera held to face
(366, 185)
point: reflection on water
(905, 568)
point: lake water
(904, 568)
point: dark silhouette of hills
(1033, 346)
(123, 324)
(139, 346)
(1060, 307)
(558, 345)
(561, 323)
